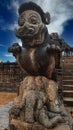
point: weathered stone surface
(10, 77)
(19, 125)
(38, 51)
(38, 101)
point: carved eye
(33, 20)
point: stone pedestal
(19, 125)
(38, 107)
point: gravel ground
(4, 116)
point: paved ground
(5, 104)
(4, 116)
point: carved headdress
(33, 6)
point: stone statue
(37, 45)
(38, 101)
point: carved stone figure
(38, 101)
(37, 49)
(34, 100)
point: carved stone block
(19, 125)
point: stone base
(19, 125)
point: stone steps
(67, 73)
(68, 99)
(67, 87)
(68, 93)
(67, 81)
(67, 77)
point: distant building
(10, 76)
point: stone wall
(10, 77)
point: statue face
(29, 16)
(30, 24)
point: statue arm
(53, 47)
(15, 49)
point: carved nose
(28, 29)
(31, 30)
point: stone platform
(20, 125)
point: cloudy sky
(61, 12)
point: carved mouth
(22, 32)
(28, 31)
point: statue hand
(53, 46)
(15, 48)
(15, 110)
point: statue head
(32, 21)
